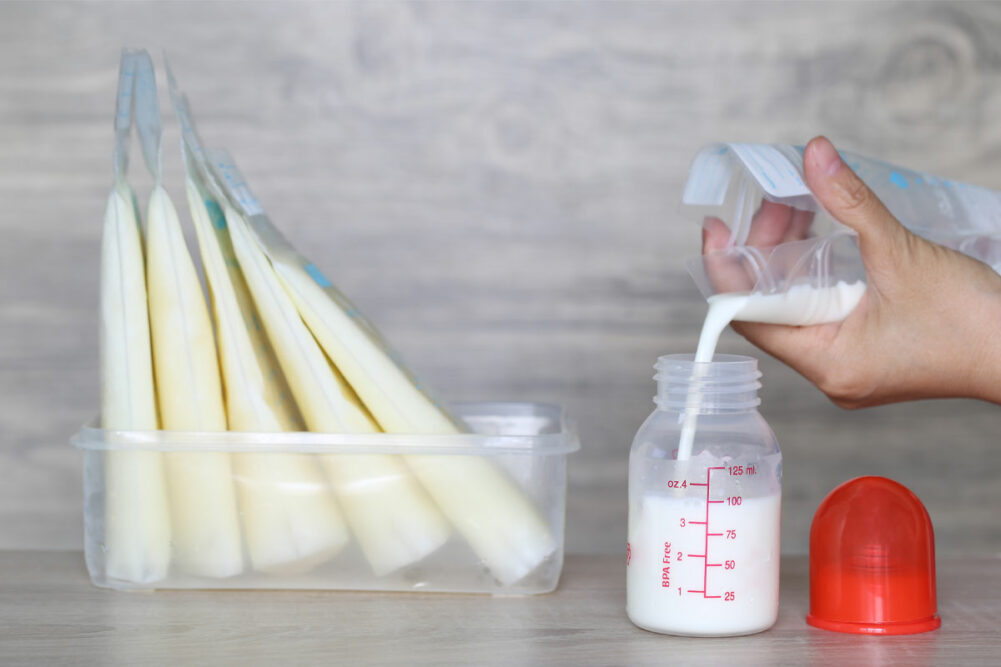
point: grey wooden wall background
(497, 186)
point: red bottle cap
(872, 561)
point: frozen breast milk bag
(395, 522)
(290, 518)
(500, 524)
(203, 501)
(136, 516)
(204, 520)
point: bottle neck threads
(728, 383)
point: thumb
(846, 197)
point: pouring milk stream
(801, 305)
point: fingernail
(826, 157)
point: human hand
(927, 325)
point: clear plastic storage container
(528, 442)
(703, 550)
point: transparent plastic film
(204, 519)
(123, 113)
(806, 282)
(136, 513)
(985, 248)
(497, 521)
(147, 115)
(749, 187)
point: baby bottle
(705, 490)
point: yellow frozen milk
(204, 521)
(136, 518)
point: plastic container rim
(91, 437)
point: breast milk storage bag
(732, 181)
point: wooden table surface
(50, 614)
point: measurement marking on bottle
(705, 563)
